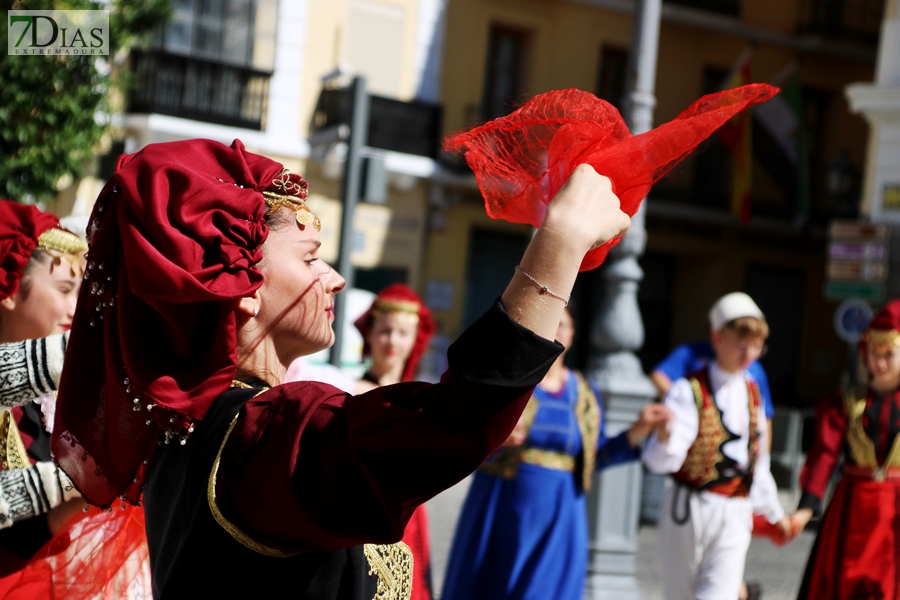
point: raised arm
(583, 215)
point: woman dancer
(523, 531)
(40, 273)
(396, 330)
(210, 284)
(856, 552)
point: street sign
(851, 319)
(858, 250)
(857, 261)
(857, 270)
(862, 290)
(854, 230)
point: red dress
(857, 552)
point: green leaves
(51, 109)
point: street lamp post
(350, 190)
(614, 504)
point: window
(235, 32)
(504, 83)
(611, 75)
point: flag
(783, 135)
(736, 136)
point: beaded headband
(293, 196)
(406, 306)
(59, 242)
(62, 241)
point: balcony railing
(410, 127)
(198, 89)
(848, 20)
(723, 7)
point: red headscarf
(884, 329)
(400, 297)
(175, 237)
(20, 227)
(523, 159)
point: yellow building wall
(327, 47)
(566, 40)
(447, 255)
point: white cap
(733, 306)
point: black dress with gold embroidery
(301, 491)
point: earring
(255, 311)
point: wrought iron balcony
(847, 20)
(724, 7)
(198, 89)
(409, 127)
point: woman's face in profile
(45, 302)
(392, 338)
(297, 296)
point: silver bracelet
(543, 288)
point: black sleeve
(496, 350)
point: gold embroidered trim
(587, 414)
(393, 564)
(233, 530)
(862, 449)
(861, 446)
(706, 451)
(528, 414)
(557, 461)
(13, 454)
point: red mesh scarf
(522, 160)
(96, 556)
(175, 237)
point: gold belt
(548, 459)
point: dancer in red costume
(857, 552)
(213, 285)
(40, 273)
(396, 330)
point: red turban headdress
(399, 297)
(522, 160)
(23, 229)
(884, 329)
(174, 239)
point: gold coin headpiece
(291, 194)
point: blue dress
(526, 538)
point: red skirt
(856, 554)
(416, 537)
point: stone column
(614, 505)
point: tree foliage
(54, 111)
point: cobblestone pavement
(777, 570)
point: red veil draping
(99, 555)
(523, 159)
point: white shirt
(730, 393)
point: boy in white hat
(717, 451)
